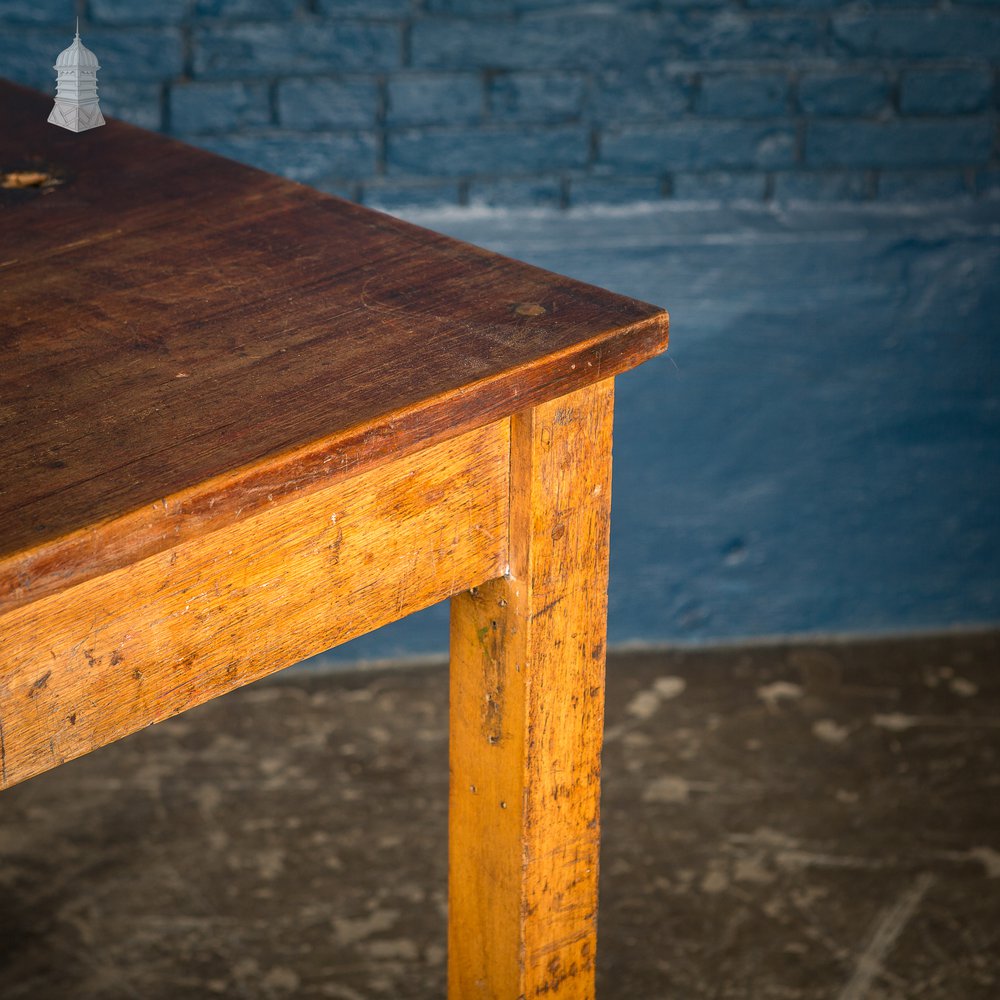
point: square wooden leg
(527, 712)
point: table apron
(114, 654)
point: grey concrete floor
(788, 821)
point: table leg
(527, 712)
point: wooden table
(242, 422)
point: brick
(822, 185)
(130, 12)
(918, 34)
(365, 8)
(467, 8)
(55, 12)
(315, 103)
(435, 99)
(731, 34)
(349, 190)
(945, 91)
(393, 196)
(719, 185)
(743, 95)
(138, 103)
(218, 106)
(552, 41)
(700, 4)
(650, 92)
(794, 4)
(537, 97)
(517, 192)
(458, 152)
(27, 57)
(613, 190)
(988, 182)
(852, 94)
(921, 186)
(700, 145)
(297, 47)
(264, 9)
(137, 53)
(898, 144)
(132, 54)
(621, 5)
(303, 158)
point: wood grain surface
(526, 720)
(186, 340)
(132, 647)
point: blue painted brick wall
(544, 102)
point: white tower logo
(76, 106)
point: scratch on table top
(55, 251)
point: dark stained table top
(185, 339)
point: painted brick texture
(397, 102)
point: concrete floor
(796, 821)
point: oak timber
(186, 339)
(526, 720)
(98, 661)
